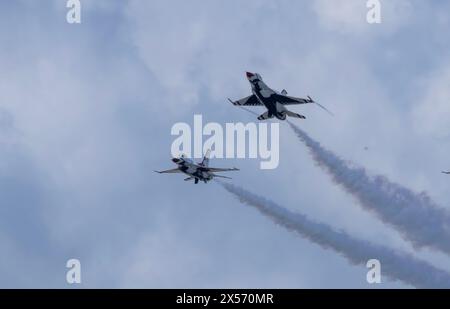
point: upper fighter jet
(274, 102)
(197, 172)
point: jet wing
(287, 100)
(220, 176)
(247, 101)
(215, 169)
(172, 171)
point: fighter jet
(274, 102)
(444, 172)
(197, 171)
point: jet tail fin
(205, 161)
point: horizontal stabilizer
(172, 171)
(220, 176)
(232, 102)
(295, 115)
(265, 116)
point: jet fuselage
(266, 96)
(189, 168)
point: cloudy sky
(86, 112)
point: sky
(86, 112)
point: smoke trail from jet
(394, 264)
(417, 218)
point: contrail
(394, 264)
(418, 219)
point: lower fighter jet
(444, 172)
(274, 102)
(196, 171)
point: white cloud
(93, 108)
(431, 113)
(341, 15)
(196, 51)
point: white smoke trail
(394, 264)
(417, 218)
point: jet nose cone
(250, 75)
(175, 160)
